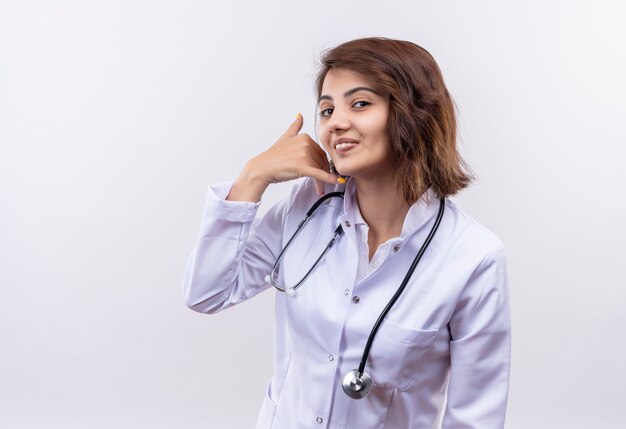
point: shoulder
(477, 258)
(471, 238)
(302, 195)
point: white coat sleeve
(480, 350)
(234, 252)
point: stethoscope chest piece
(357, 385)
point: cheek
(324, 138)
(381, 131)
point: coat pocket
(397, 355)
(268, 410)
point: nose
(338, 121)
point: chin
(343, 169)
(345, 172)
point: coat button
(331, 358)
(347, 224)
(319, 420)
(396, 248)
(346, 292)
(356, 299)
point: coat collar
(419, 214)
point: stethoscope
(357, 383)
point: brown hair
(422, 119)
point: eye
(326, 112)
(361, 104)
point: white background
(116, 115)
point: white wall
(115, 115)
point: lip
(343, 140)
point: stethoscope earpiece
(356, 385)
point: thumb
(295, 126)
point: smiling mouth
(345, 145)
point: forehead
(341, 80)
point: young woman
(397, 312)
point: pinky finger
(319, 187)
(320, 175)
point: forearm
(225, 267)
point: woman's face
(353, 125)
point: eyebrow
(348, 93)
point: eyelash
(323, 113)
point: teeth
(342, 146)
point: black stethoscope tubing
(357, 383)
(337, 234)
(405, 281)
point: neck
(383, 208)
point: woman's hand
(291, 157)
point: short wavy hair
(421, 126)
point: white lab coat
(448, 333)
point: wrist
(248, 186)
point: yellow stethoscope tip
(341, 180)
